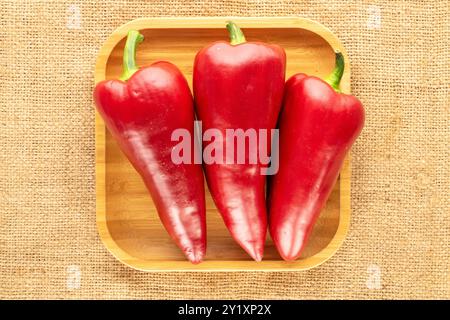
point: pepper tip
(195, 257)
(254, 251)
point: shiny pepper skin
(141, 115)
(239, 86)
(318, 126)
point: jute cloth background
(398, 244)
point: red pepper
(239, 86)
(318, 126)
(141, 115)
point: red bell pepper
(239, 85)
(318, 126)
(141, 110)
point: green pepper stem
(129, 54)
(335, 77)
(236, 34)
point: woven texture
(398, 244)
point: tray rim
(214, 265)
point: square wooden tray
(126, 218)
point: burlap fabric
(398, 244)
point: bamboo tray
(127, 221)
